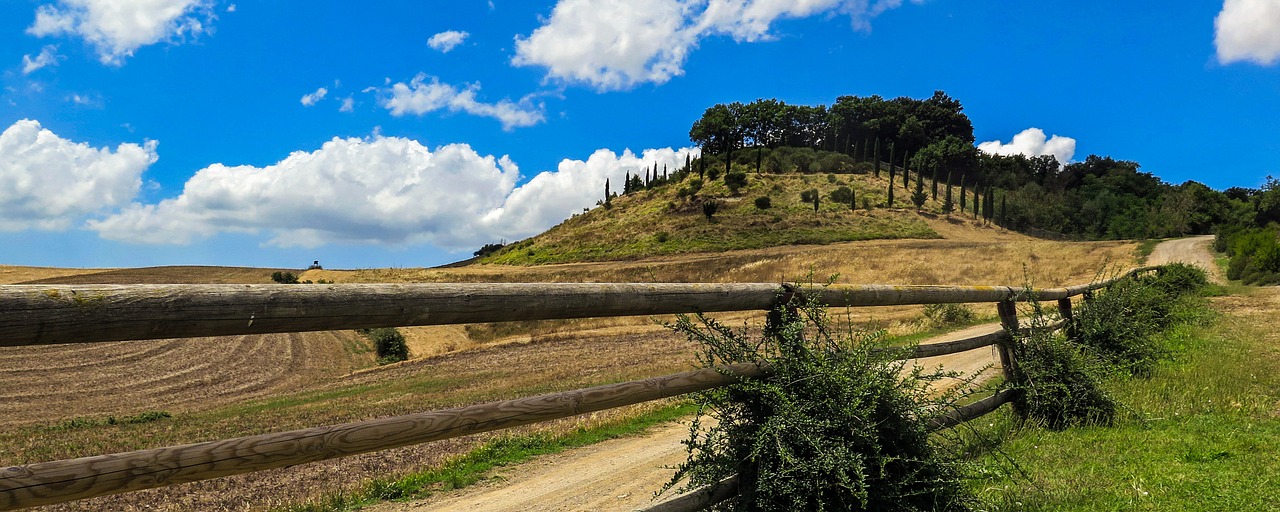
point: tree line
(1098, 198)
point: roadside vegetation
(1182, 414)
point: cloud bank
(117, 28)
(51, 183)
(618, 44)
(382, 190)
(1248, 31)
(1032, 142)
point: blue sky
(409, 133)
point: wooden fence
(40, 314)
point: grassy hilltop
(669, 218)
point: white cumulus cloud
(311, 99)
(47, 182)
(380, 190)
(419, 97)
(617, 44)
(447, 40)
(116, 28)
(48, 56)
(1248, 30)
(384, 190)
(348, 104)
(551, 196)
(1033, 142)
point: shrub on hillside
(1060, 382)
(284, 277)
(710, 208)
(835, 425)
(809, 195)
(735, 181)
(944, 315)
(764, 202)
(842, 195)
(388, 344)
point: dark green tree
(947, 205)
(853, 199)
(906, 171)
(935, 182)
(889, 202)
(608, 199)
(962, 193)
(876, 158)
(919, 197)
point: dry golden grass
(475, 363)
(12, 274)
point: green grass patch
(1199, 433)
(477, 464)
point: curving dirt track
(623, 474)
(1192, 250)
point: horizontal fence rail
(39, 314)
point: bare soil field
(12, 274)
(233, 386)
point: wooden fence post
(1064, 310)
(1008, 310)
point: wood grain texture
(67, 480)
(44, 314)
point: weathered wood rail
(35, 314)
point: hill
(670, 219)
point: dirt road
(623, 474)
(1191, 250)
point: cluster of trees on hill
(1099, 198)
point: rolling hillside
(670, 218)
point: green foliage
(1060, 382)
(809, 196)
(710, 208)
(480, 253)
(835, 425)
(388, 344)
(1120, 323)
(661, 237)
(284, 277)
(735, 180)
(764, 202)
(1254, 253)
(842, 195)
(87, 422)
(945, 315)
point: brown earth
(233, 386)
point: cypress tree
(989, 209)
(646, 177)
(889, 202)
(906, 163)
(664, 172)
(962, 193)
(866, 146)
(977, 201)
(816, 199)
(686, 163)
(891, 148)
(935, 182)
(876, 157)
(919, 197)
(759, 158)
(853, 199)
(1003, 219)
(626, 184)
(947, 205)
